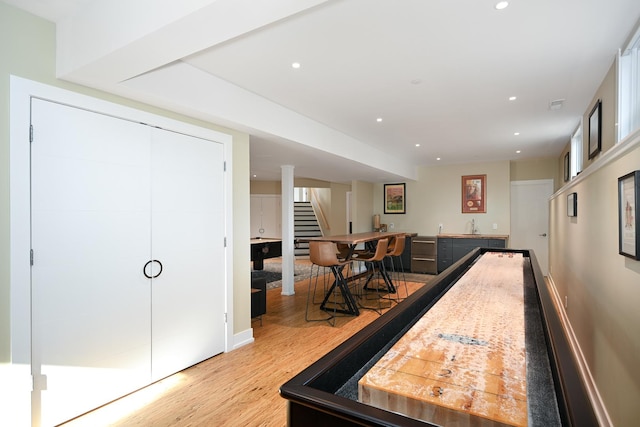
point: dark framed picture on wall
(474, 194)
(628, 222)
(395, 199)
(572, 204)
(595, 131)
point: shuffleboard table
(481, 346)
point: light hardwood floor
(239, 388)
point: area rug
(273, 273)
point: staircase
(305, 224)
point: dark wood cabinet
(424, 255)
(258, 296)
(453, 248)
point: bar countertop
(473, 236)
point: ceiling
(438, 73)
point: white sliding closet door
(187, 234)
(91, 237)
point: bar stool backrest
(381, 251)
(398, 246)
(323, 254)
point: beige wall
(601, 287)
(436, 198)
(27, 49)
(338, 215)
(362, 196)
(275, 187)
(534, 169)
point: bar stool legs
(376, 272)
(331, 318)
(337, 299)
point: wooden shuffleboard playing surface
(463, 362)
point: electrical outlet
(391, 225)
(495, 226)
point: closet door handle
(144, 269)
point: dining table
(369, 239)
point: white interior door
(188, 239)
(90, 236)
(530, 218)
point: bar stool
(394, 252)
(323, 254)
(375, 266)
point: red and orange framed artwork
(474, 191)
(395, 200)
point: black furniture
(258, 296)
(452, 248)
(323, 394)
(263, 248)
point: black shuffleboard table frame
(312, 394)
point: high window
(576, 152)
(629, 87)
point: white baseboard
(243, 338)
(592, 390)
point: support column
(288, 256)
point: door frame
(21, 92)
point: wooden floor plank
(239, 388)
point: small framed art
(474, 194)
(395, 200)
(572, 204)
(567, 166)
(595, 132)
(628, 222)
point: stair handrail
(317, 210)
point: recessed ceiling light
(417, 145)
(516, 133)
(416, 81)
(518, 152)
(502, 5)
(379, 119)
(437, 158)
(512, 98)
(296, 65)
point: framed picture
(628, 223)
(572, 204)
(567, 166)
(395, 199)
(474, 194)
(595, 133)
